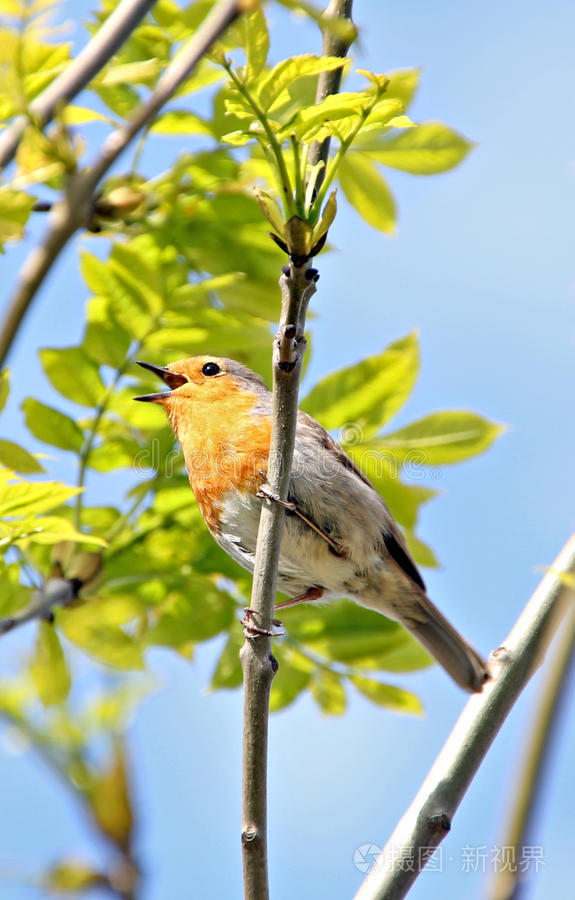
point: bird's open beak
(172, 379)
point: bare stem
(73, 211)
(330, 82)
(108, 39)
(507, 882)
(259, 666)
(428, 819)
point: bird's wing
(356, 488)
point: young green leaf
(73, 374)
(443, 437)
(52, 426)
(105, 341)
(13, 456)
(367, 394)
(367, 191)
(328, 691)
(228, 671)
(426, 150)
(403, 84)
(395, 698)
(421, 552)
(49, 668)
(256, 43)
(15, 208)
(144, 71)
(22, 498)
(293, 678)
(291, 69)
(181, 121)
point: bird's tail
(449, 648)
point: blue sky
(482, 267)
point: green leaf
(82, 115)
(421, 552)
(345, 632)
(29, 498)
(180, 121)
(15, 208)
(107, 643)
(49, 668)
(294, 675)
(53, 529)
(287, 71)
(13, 594)
(122, 99)
(388, 695)
(403, 84)
(365, 396)
(426, 150)
(51, 426)
(15, 457)
(367, 191)
(144, 71)
(105, 340)
(328, 691)
(73, 374)
(198, 615)
(4, 387)
(256, 42)
(228, 671)
(337, 114)
(442, 438)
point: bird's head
(203, 380)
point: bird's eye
(211, 368)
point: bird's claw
(251, 630)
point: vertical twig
(507, 883)
(297, 285)
(259, 666)
(428, 819)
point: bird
(339, 538)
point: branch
(297, 285)
(428, 819)
(116, 29)
(56, 592)
(507, 882)
(258, 664)
(329, 82)
(74, 210)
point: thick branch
(330, 82)
(428, 819)
(507, 882)
(91, 59)
(73, 212)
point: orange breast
(225, 443)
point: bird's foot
(251, 630)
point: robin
(339, 538)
